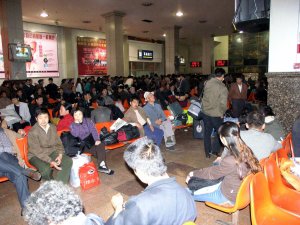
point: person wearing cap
(238, 96)
(159, 120)
(102, 113)
(137, 116)
(214, 105)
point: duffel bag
(195, 109)
(128, 132)
(108, 138)
(175, 109)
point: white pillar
(207, 54)
(284, 36)
(171, 49)
(12, 32)
(114, 43)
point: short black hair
(255, 119)
(67, 106)
(219, 72)
(100, 101)
(134, 97)
(266, 110)
(14, 95)
(50, 79)
(41, 111)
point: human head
(219, 73)
(229, 134)
(19, 92)
(50, 80)
(255, 120)
(100, 101)
(145, 158)
(52, 203)
(266, 110)
(134, 102)
(65, 109)
(239, 79)
(41, 82)
(132, 90)
(42, 117)
(3, 94)
(87, 96)
(78, 115)
(104, 92)
(14, 99)
(39, 100)
(149, 96)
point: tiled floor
(189, 155)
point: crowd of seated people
(140, 102)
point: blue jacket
(164, 202)
(154, 112)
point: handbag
(108, 138)
(196, 183)
(88, 175)
(195, 108)
(78, 162)
(72, 145)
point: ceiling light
(179, 14)
(241, 31)
(164, 35)
(44, 13)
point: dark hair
(134, 97)
(266, 110)
(14, 95)
(255, 119)
(100, 101)
(219, 72)
(67, 106)
(50, 79)
(38, 96)
(41, 111)
(238, 148)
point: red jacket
(234, 92)
(65, 122)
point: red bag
(122, 135)
(88, 175)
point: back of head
(219, 72)
(143, 155)
(100, 101)
(266, 110)
(255, 120)
(53, 203)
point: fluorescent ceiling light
(179, 14)
(44, 13)
(241, 31)
(164, 35)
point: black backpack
(108, 138)
(72, 145)
(115, 112)
(130, 131)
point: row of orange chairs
(272, 200)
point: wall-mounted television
(19, 52)
(145, 54)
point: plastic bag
(78, 161)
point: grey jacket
(164, 202)
(214, 101)
(101, 114)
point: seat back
(99, 126)
(3, 179)
(243, 195)
(59, 132)
(23, 148)
(287, 144)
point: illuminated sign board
(145, 54)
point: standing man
(214, 104)
(238, 96)
(159, 120)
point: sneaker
(33, 174)
(103, 169)
(171, 148)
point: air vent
(147, 4)
(202, 21)
(86, 21)
(147, 21)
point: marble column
(207, 54)
(114, 43)
(172, 49)
(12, 32)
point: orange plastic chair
(251, 97)
(242, 200)
(126, 104)
(281, 195)
(94, 105)
(263, 210)
(59, 132)
(167, 113)
(23, 148)
(50, 113)
(99, 126)
(3, 179)
(287, 144)
(51, 101)
(281, 154)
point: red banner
(91, 53)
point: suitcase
(175, 109)
(198, 129)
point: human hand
(22, 132)
(55, 165)
(58, 159)
(97, 142)
(191, 174)
(152, 128)
(139, 125)
(117, 201)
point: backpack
(115, 112)
(72, 145)
(108, 138)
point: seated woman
(163, 202)
(46, 206)
(238, 163)
(85, 130)
(66, 119)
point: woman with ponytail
(233, 168)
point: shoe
(207, 156)
(103, 169)
(171, 148)
(216, 154)
(33, 174)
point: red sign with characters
(92, 59)
(195, 64)
(221, 63)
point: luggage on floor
(175, 109)
(198, 129)
(88, 175)
(108, 138)
(78, 161)
(195, 109)
(128, 132)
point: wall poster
(92, 59)
(44, 54)
(2, 75)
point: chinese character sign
(2, 75)
(44, 54)
(91, 53)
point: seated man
(136, 115)
(46, 206)
(163, 202)
(159, 120)
(46, 150)
(102, 113)
(66, 119)
(33, 107)
(86, 104)
(22, 114)
(10, 165)
(4, 100)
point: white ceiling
(71, 13)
